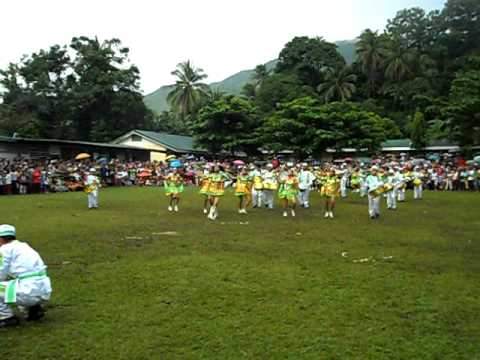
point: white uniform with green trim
(23, 278)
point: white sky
(220, 36)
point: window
(136, 138)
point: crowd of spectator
(23, 176)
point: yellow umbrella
(82, 156)
(169, 157)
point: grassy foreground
(254, 287)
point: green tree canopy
(418, 130)
(228, 124)
(278, 88)
(306, 57)
(88, 91)
(307, 126)
(463, 111)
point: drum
(387, 188)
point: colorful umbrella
(477, 158)
(82, 156)
(170, 157)
(238, 162)
(145, 173)
(175, 164)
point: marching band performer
(305, 182)
(173, 188)
(216, 190)
(330, 190)
(204, 186)
(23, 279)
(270, 185)
(363, 182)
(355, 181)
(417, 183)
(288, 191)
(373, 186)
(402, 184)
(242, 190)
(345, 174)
(392, 181)
(92, 185)
(257, 188)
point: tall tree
(88, 91)
(338, 84)
(411, 28)
(371, 54)
(278, 88)
(107, 93)
(398, 62)
(463, 111)
(461, 22)
(418, 130)
(307, 57)
(188, 89)
(228, 124)
(308, 127)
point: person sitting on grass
(23, 279)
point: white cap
(7, 230)
(374, 168)
(92, 170)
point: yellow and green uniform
(243, 185)
(217, 184)
(331, 186)
(173, 184)
(288, 188)
(321, 177)
(204, 184)
(355, 180)
(257, 182)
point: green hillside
(157, 100)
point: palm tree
(188, 89)
(371, 53)
(214, 94)
(399, 61)
(338, 84)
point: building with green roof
(159, 144)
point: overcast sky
(220, 36)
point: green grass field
(254, 287)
